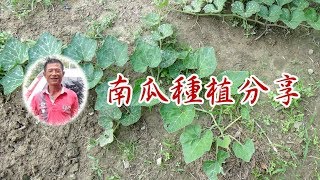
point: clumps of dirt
(35, 150)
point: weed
(128, 150)
(97, 27)
(22, 8)
(96, 166)
(168, 149)
(279, 166)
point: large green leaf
(168, 58)
(144, 56)
(175, 117)
(81, 48)
(312, 18)
(283, 2)
(151, 19)
(216, 7)
(46, 45)
(194, 143)
(272, 14)
(132, 117)
(213, 168)
(244, 151)
(111, 112)
(136, 95)
(106, 137)
(252, 7)
(203, 59)
(12, 80)
(14, 53)
(112, 51)
(237, 78)
(93, 74)
(293, 19)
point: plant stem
(232, 123)
(214, 120)
(235, 139)
(270, 142)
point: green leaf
(301, 4)
(81, 48)
(194, 7)
(312, 18)
(14, 53)
(283, 2)
(168, 58)
(144, 56)
(106, 137)
(212, 169)
(12, 80)
(252, 7)
(222, 156)
(204, 60)
(151, 19)
(132, 117)
(161, 3)
(267, 2)
(293, 19)
(136, 94)
(175, 117)
(165, 30)
(112, 51)
(237, 78)
(245, 112)
(108, 111)
(105, 122)
(93, 74)
(194, 143)
(46, 45)
(216, 7)
(244, 151)
(311, 15)
(272, 15)
(176, 69)
(225, 142)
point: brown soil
(35, 151)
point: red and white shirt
(58, 111)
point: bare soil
(35, 151)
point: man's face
(54, 74)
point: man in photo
(56, 104)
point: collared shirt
(57, 111)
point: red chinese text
(150, 90)
(119, 91)
(251, 94)
(218, 93)
(286, 91)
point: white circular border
(31, 68)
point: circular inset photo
(55, 90)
